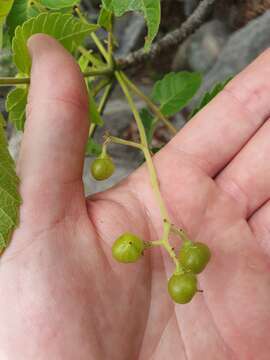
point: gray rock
(129, 32)
(201, 50)
(241, 49)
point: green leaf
(149, 8)
(93, 148)
(59, 4)
(94, 114)
(149, 123)
(68, 30)
(83, 62)
(9, 195)
(175, 90)
(105, 19)
(208, 96)
(21, 11)
(5, 7)
(15, 105)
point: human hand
(62, 294)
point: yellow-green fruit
(128, 248)
(194, 256)
(102, 168)
(182, 287)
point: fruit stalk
(152, 172)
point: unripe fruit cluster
(193, 257)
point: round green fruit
(128, 248)
(102, 168)
(182, 287)
(194, 257)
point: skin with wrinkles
(62, 294)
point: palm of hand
(64, 296)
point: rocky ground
(217, 50)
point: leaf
(5, 7)
(93, 148)
(149, 123)
(15, 105)
(83, 62)
(94, 114)
(59, 4)
(9, 195)
(68, 30)
(105, 19)
(149, 8)
(175, 90)
(21, 11)
(208, 96)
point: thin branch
(8, 81)
(170, 40)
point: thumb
(57, 123)
(57, 116)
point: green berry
(128, 248)
(102, 168)
(194, 256)
(182, 287)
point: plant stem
(101, 106)
(94, 37)
(100, 47)
(96, 62)
(150, 104)
(110, 49)
(9, 81)
(181, 233)
(101, 85)
(153, 174)
(104, 71)
(148, 157)
(120, 141)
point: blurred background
(235, 32)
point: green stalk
(116, 140)
(152, 172)
(150, 104)
(9, 81)
(90, 57)
(103, 101)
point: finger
(57, 117)
(260, 225)
(247, 177)
(221, 129)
